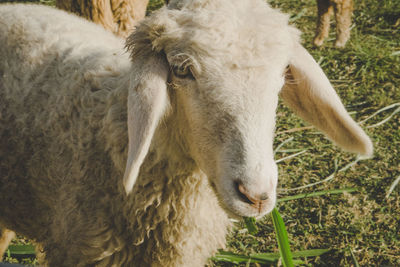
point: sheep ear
(309, 93)
(147, 102)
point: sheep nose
(254, 200)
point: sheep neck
(171, 197)
(171, 204)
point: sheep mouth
(222, 203)
(238, 205)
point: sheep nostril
(244, 195)
(248, 198)
(264, 196)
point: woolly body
(78, 119)
(63, 158)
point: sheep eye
(183, 72)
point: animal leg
(325, 11)
(127, 14)
(5, 238)
(98, 11)
(343, 12)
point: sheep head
(224, 62)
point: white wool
(136, 161)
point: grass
(353, 217)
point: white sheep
(108, 159)
(118, 16)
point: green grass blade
(295, 254)
(262, 258)
(251, 226)
(266, 258)
(356, 264)
(226, 256)
(310, 253)
(395, 53)
(21, 250)
(283, 241)
(318, 193)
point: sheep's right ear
(310, 94)
(147, 102)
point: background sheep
(129, 163)
(118, 16)
(343, 10)
(5, 238)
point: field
(360, 227)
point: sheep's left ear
(310, 94)
(147, 102)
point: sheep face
(222, 74)
(225, 76)
(229, 117)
